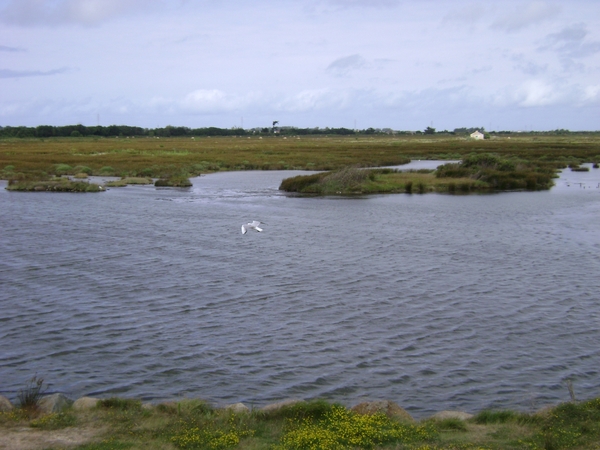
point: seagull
(254, 224)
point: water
(432, 301)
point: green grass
(117, 423)
(160, 158)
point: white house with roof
(477, 135)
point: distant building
(477, 135)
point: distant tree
(429, 130)
(44, 131)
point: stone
(386, 407)
(452, 415)
(5, 404)
(53, 403)
(238, 408)
(85, 403)
(277, 406)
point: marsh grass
(182, 155)
(174, 181)
(52, 185)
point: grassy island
(117, 423)
(53, 185)
(482, 172)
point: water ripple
(435, 302)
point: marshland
(481, 303)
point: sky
(407, 65)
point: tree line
(48, 131)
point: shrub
(107, 171)
(62, 169)
(82, 169)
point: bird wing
(258, 229)
(244, 229)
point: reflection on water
(432, 301)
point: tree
(429, 130)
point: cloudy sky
(402, 64)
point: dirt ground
(25, 438)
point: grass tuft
(29, 398)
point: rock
(5, 404)
(53, 403)
(386, 407)
(238, 408)
(452, 415)
(277, 406)
(85, 403)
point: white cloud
(526, 15)
(68, 12)
(207, 101)
(538, 93)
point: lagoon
(432, 301)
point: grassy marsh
(158, 158)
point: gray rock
(277, 406)
(85, 403)
(5, 404)
(54, 403)
(452, 415)
(386, 407)
(238, 408)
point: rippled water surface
(432, 301)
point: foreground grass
(190, 424)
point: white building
(477, 135)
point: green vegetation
(52, 185)
(29, 397)
(174, 181)
(521, 161)
(129, 180)
(482, 172)
(192, 424)
(373, 181)
(160, 158)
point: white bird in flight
(254, 224)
